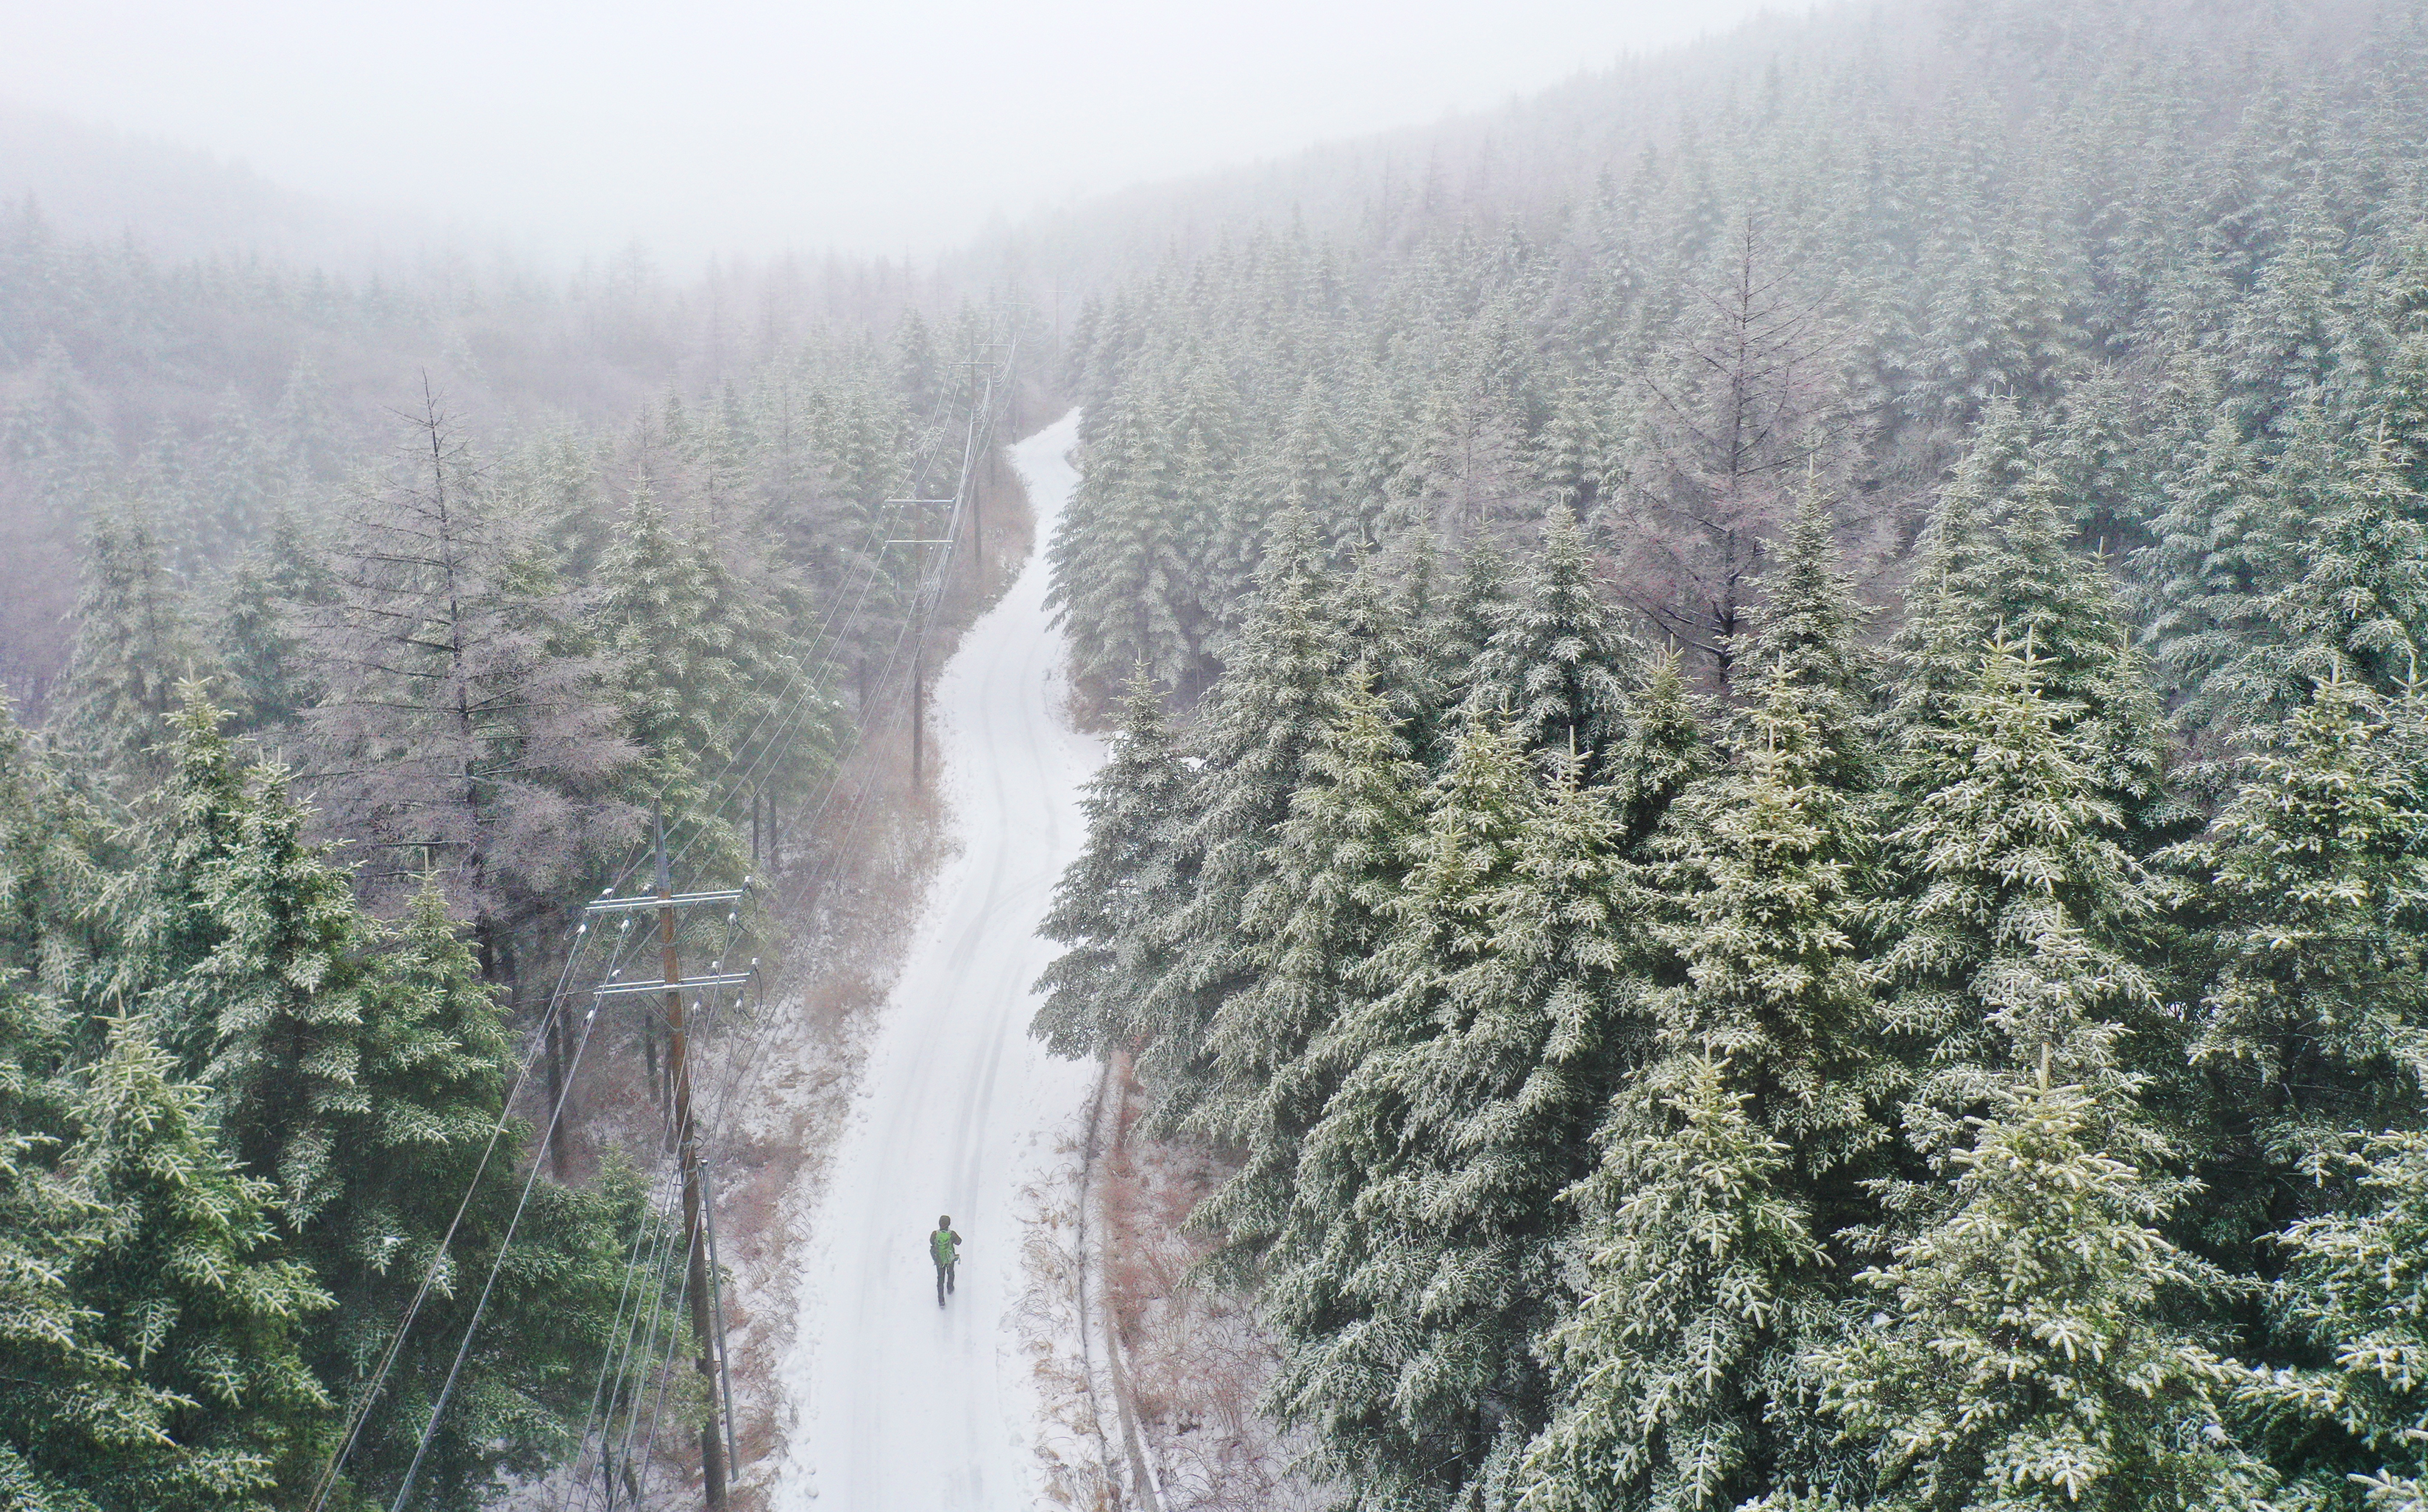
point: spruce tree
(1995, 560)
(133, 646)
(1698, 1279)
(1121, 567)
(1666, 746)
(1113, 905)
(1337, 860)
(2352, 1417)
(183, 1279)
(2023, 1356)
(1559, 662)
(240, 947)
(71, 1406)
(465, 727)
(1259, 725)
(2315, 1020)
(708, 678)
(431, 1157)
(269, 681)
(1744, 1143)
(2009, 849)
(1417, 1263)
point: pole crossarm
(650, 900)
(628, 989)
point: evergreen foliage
(134, 646)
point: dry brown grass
(1199, 1359)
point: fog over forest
(1541, 758)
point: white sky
(749, 126)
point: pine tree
(1416, 1263)
(1559, 663)
(1337, 860)
(1259, 727)
(1698, 1280)
(133, 646)
(1111, 907)
(182, 1279)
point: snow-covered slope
(903, 1405)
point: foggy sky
(886, 127)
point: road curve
(903, 1405)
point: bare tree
(466, 731)
(1726, 419)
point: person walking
(946, 1246)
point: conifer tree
(1665, 749)
(1698, 1281)
(707, 675)
(2024, 1358)
(1994, 561)
(429, 1154)
(464, 727)
(1338, 859)
(1769, 869)
(1112, 906)
(2353, 1416)
(241, 948)
(2316, 1018)
(2011, 853)
(1742, 1143)
(1120, 566)
(1417, 1263)
(133, 646)
(1469, 615)
(1387, 612)
(269, 681)
(182, 1279)
(70, 1404)
(1259, 727)
(1559, 662)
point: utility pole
(707, 1310)
(712, 1444)
(918, 708)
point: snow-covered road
(904, 1406)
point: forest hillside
(1770, 767)
(358, 626)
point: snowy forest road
(902, 1404)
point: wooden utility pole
(712, 1442)
(699, 1235)
(918, 711)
